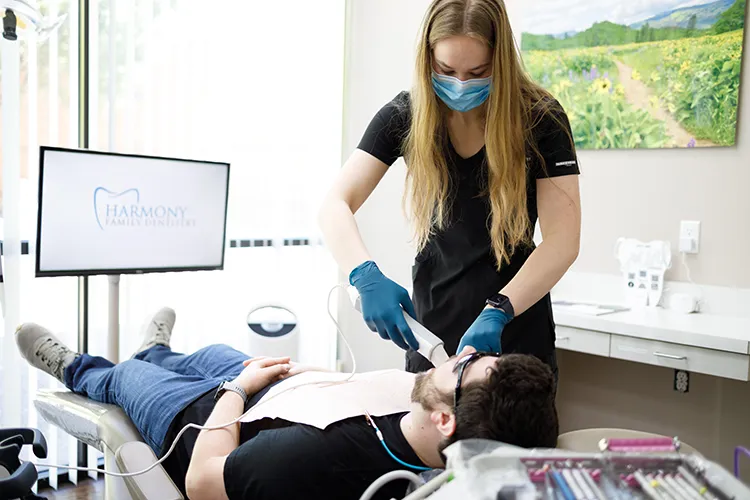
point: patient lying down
(508, 398)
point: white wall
(381, 37)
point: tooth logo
(107, 203)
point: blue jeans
(155, 386)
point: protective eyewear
(460, 367)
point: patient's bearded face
(425, 392)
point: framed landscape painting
(640, 74)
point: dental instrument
(548, 488)
(693, 481)
(667, 485)
(682, 492)
(598, 495)
(694, 494)
(647, 486)
(588, 493)
(573, 485)
(483, 468)
(430, 345)
(558, 478)
(659, 486)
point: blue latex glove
(485, 333)
(382, 302)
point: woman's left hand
(485, 333)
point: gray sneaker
(43, 350)
(159, 329)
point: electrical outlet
(681, 381)
(690, 236)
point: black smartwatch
(230, 386)
(500, 301)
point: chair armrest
(103, 426)
(30, 436)
(19, 483)
(17, 477)
(154, 484)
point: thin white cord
(236, 420)
(387, 478)
(698, 302)
(338, 329)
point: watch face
(501, 302)
(496, 301)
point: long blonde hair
(514, 106)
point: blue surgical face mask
(459, 95)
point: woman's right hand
(383, 302)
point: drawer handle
(563, 339)
(670, 356)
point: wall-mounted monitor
(106, 213)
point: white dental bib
(326, 402)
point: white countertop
(709, 331)
(724, 324)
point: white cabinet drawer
(692, 359)
(586, 341)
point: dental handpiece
(430, 345)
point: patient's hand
(259, 372)
(296, 368)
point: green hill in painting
(604, 33)
(689, 22)
(706, 16)
(732, 19)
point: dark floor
(87, 489)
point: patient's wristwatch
(230, 386)
(500, 301)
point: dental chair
(108, 429)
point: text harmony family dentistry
(124, 209)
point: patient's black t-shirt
(280, 459)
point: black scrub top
(456, 272)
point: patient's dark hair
(515, 405)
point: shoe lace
(51, 353)
(161, 334)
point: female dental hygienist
(487, 152)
